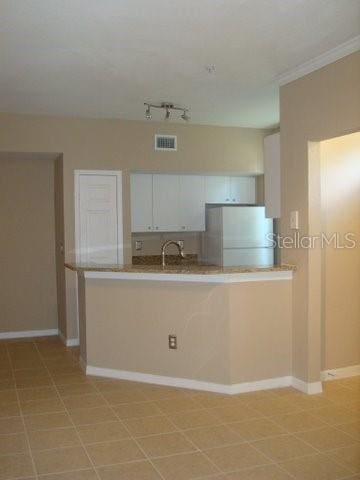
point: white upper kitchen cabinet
(272, 185)
(242, 190)
(141, 188)
(217, 189)
(192, 203)
(172, 203)
(230, 189)
(166, 203)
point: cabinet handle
(183, 228)
(228, 199)
(156, 228)
(149, 228)
(234, 200)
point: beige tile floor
(58, 424)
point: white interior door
(99, 217)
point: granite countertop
(189, 259)
(190, 269)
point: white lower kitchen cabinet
(141, 188)
(166, 203)
(192, 203)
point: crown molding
(322, 60)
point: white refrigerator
(238, 236)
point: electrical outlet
(138, 245)
(172, 342)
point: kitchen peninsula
(225, 320)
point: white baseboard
(29, 334)
(69, 342)
(62, 337)
(309, 388)
(343, 372)
(189, 383)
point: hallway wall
(321, 105)
(27, 243)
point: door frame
(119, 195)
(119, 198)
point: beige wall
(319, 106)
(340, 192)
(226, 333)
(27, 243)
(152, 242)
(126, 145)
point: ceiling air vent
(166, 142)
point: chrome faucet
(171, 242)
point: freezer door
(254, 257)
(246, 227)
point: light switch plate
(138, 244)
(294, 220)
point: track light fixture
(169, 108)
(185, 116)
(148, 113)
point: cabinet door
(272, 184)
(192, 203)
(217, 189)
(242, 190)
(166, 203)
(141, 189)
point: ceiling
(104, 58)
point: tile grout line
(221, 423)
(69, 416)
(130, 434)
(194, 445)
(317, 451)
(243, 441)
(296, 435)
(202, 408)
(21, 415)
(277, 463)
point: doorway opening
(32, 275)
(334, 281)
